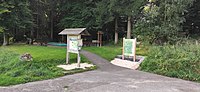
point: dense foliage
(192, 23)
(16, 17)
(174, 61)
(159, 21)
(108, 10)
(43, 19)
(163, 20)
(77, 13)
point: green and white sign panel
(129, 47)
(73, 45)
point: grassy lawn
(45, 59)
(110, 52)
(107, 52)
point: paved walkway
(107, 78)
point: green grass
(180, 61)
(110, 52)
(174, 61)
(107, 52)
(45, 59)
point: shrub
(163, 22)
(174, 61)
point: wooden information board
(74, 41)
(74, 46)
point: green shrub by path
(174, 61)
(45, 59)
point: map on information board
(73, 45)
(129, 47)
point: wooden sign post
(74, 42)
(129, 48)
(74, 46)
(99, 38)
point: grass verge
(180, 61)
(110, 52)
(45, 59)
(174, 61)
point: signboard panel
(73, 45)
(129, 47)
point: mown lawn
(107, 52)
(45, 59)
(110, 52)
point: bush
(174, 61)
(163, 22)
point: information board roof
(74, 31)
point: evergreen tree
(18, 18)
(110, 10)
(77, 13)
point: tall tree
(18, 19)
(40, 14)
(110, 10)
(52, 7)
(77, 13)
(3, 9)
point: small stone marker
(26, 57)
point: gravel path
(107, 78)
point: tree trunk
(31, 33)
(37, 32)
(51, 24)
(129, 28)
(116, 31)
(31, 36)
(5, 40)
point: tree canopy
(158, 21)
(163, 20)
